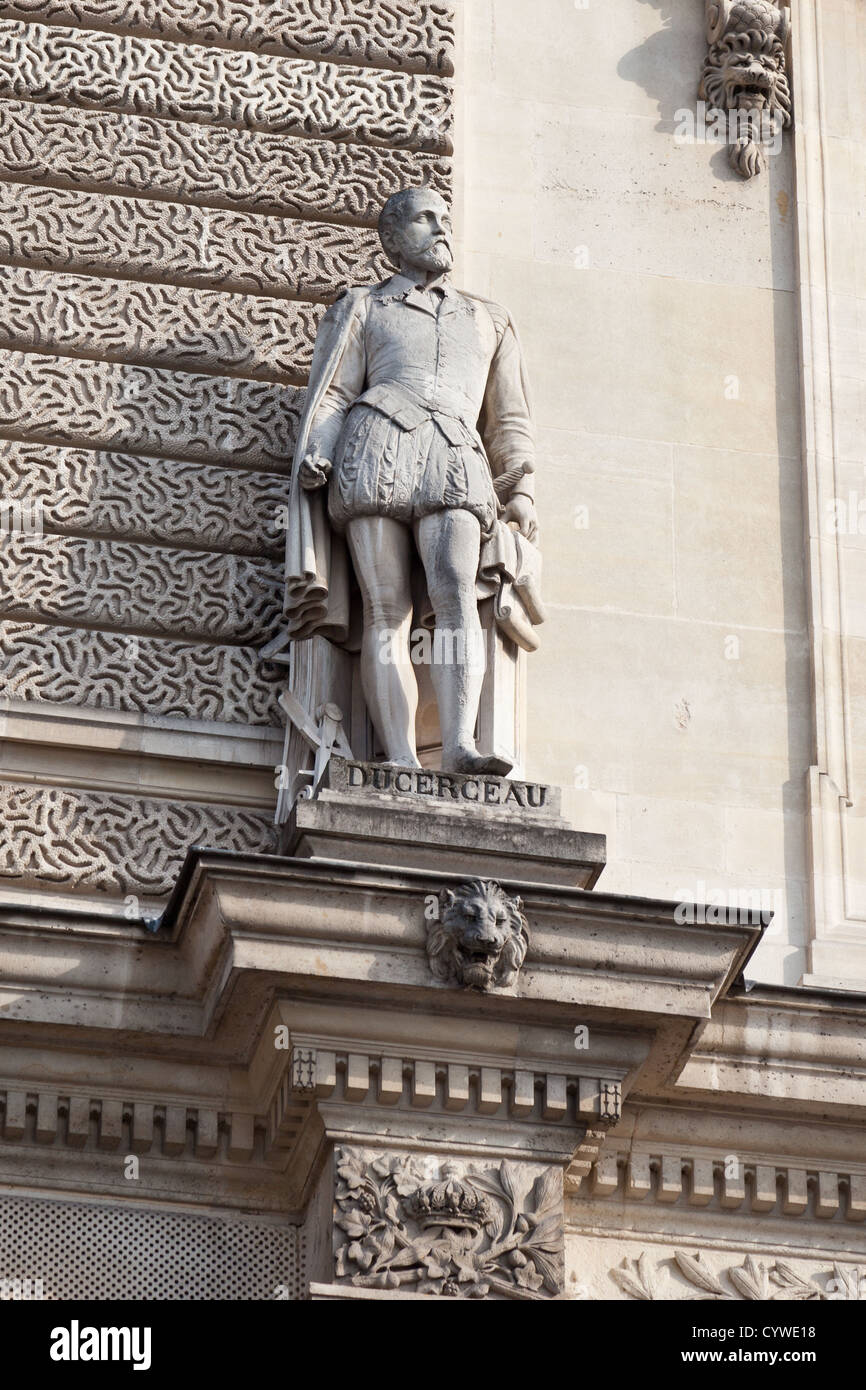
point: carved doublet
(440, 347)
(410, 444)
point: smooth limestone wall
(840, 514)
(654, 290)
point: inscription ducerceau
(448, 787)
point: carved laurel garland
(753, 1280)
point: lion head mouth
(753, 92)
(478, 965)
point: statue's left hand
(314, 471)
(522, 512)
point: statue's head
(415, 231)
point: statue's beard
(438, 257)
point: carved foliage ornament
(479, 937)
(753, 1280)
(745, 75)
(461, 1231)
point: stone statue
(415, 445)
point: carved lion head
(481, 937)
(745, 76)
(746, 72)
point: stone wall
(656, 293)
(183, 188)
(831, 157)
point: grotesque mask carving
(480, 938)
(745, 74)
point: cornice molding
(698, 1178)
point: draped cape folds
(321, 597)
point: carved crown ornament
(461, 1231)
(745, 77)
(477, 936)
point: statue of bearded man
(415, 449)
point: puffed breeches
(382, 469)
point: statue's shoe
(468, 760)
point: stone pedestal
(460, 1022)
(481, 825)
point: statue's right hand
(314, 471)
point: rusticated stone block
(219, 86)
(182, 244)
(105, 151)
(415, 35)
(119, 844)
(158, 325)
(103, 670)
(144, 410)
(138, 588)
(153, 500)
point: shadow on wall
(668, 65)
